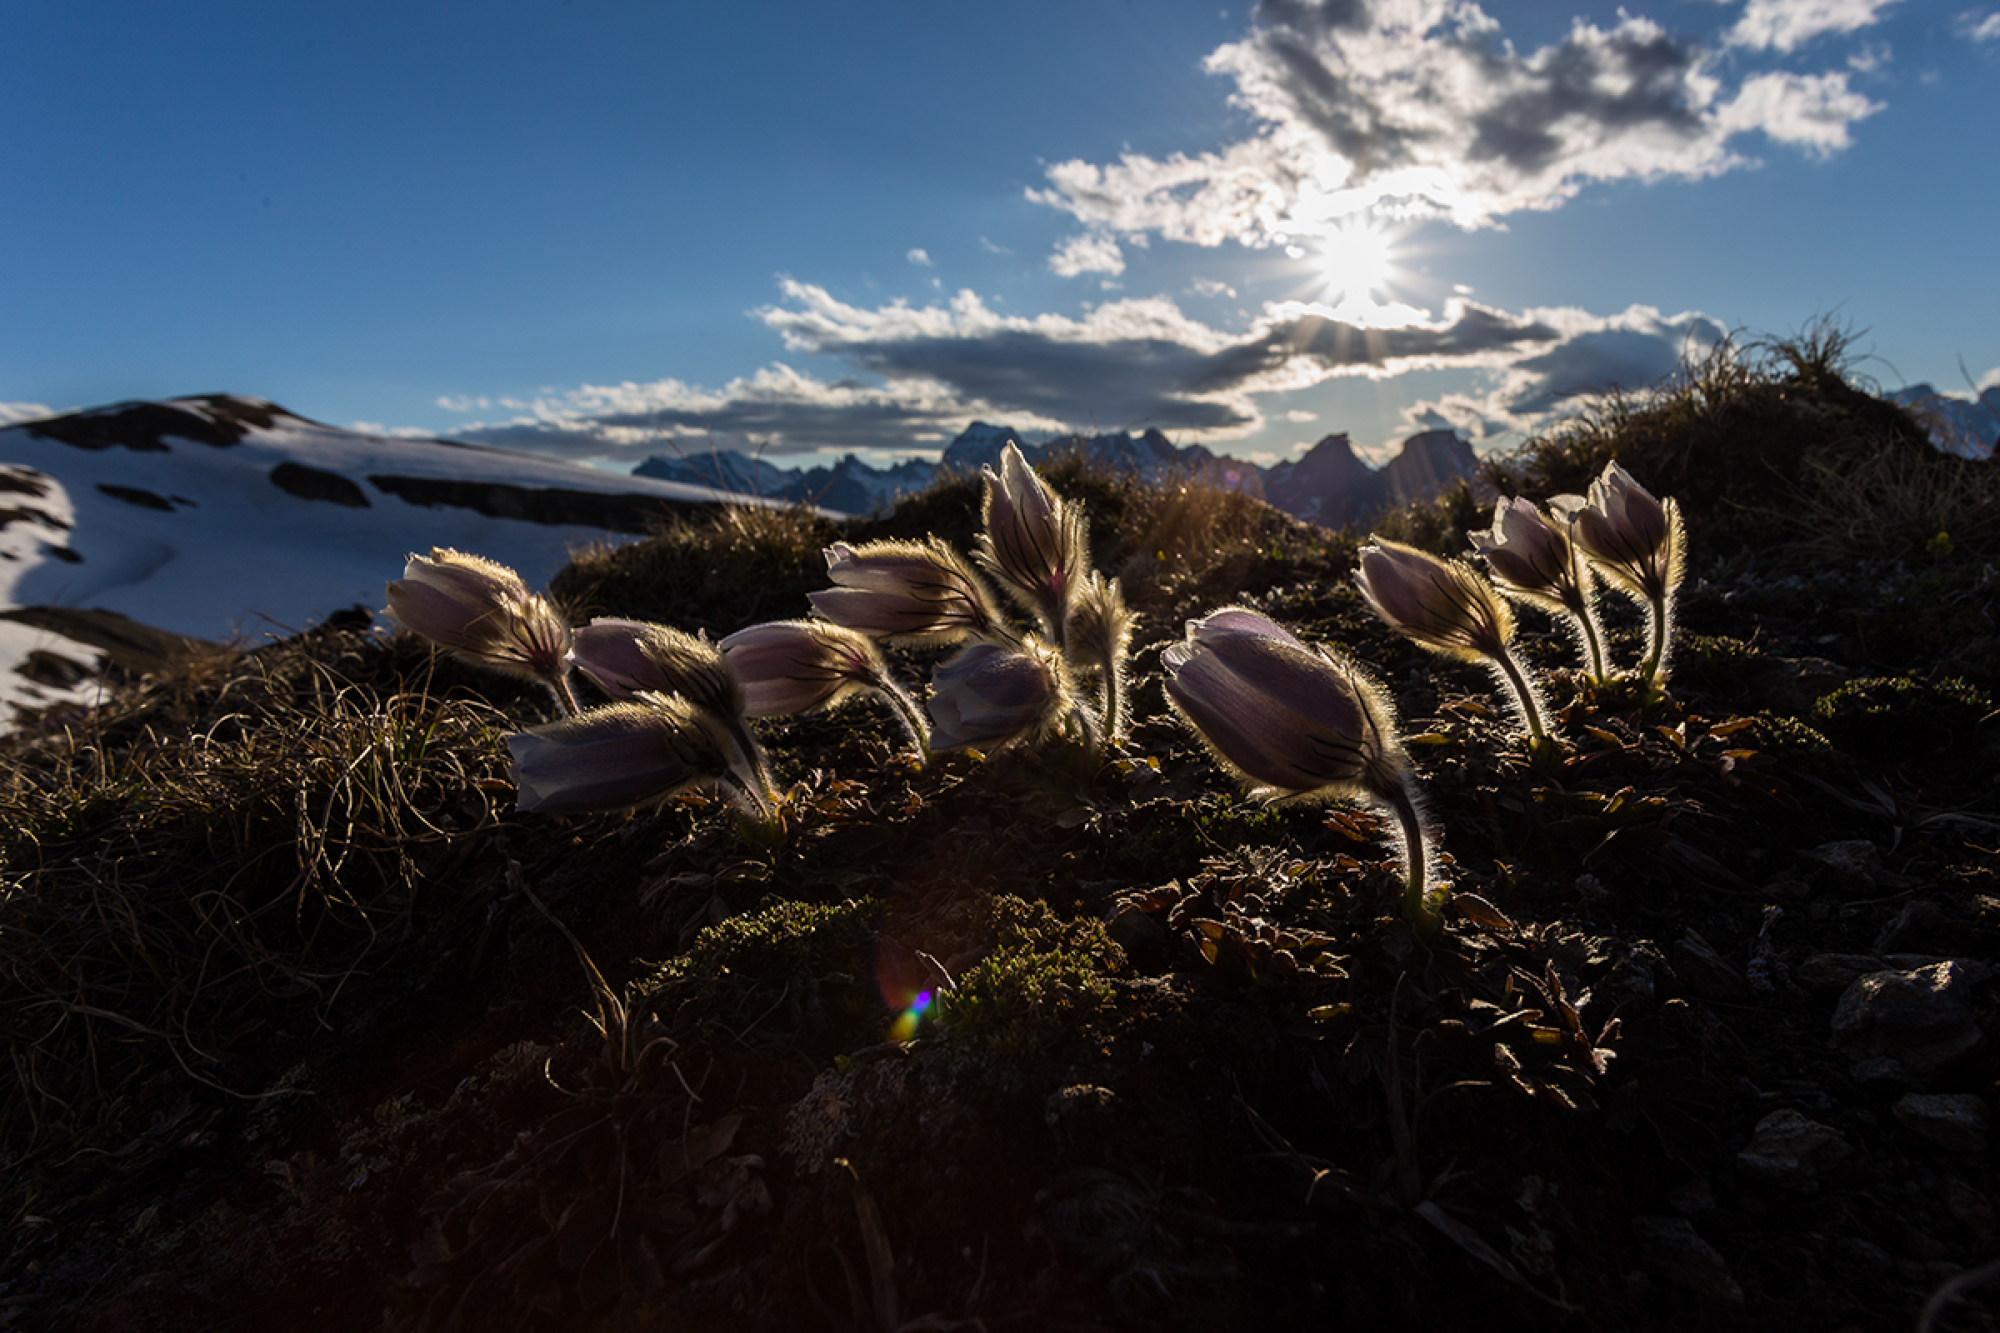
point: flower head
(628, 658)
(1286, 719)
(906, 592)
(480, 611)
(988, 695)
(1442, 604)
(1636, 540)
(1530, 556)
(616, 757)
(797, 666)
(1035, 543)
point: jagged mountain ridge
(1329, 484)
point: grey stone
(1789, 1150)
(1956, 1122)
(1674, 1252)
(1918, 1018)
(1706, 973)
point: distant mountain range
(1328, 484)
(1969, 428)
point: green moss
(1043, 977)
(1712, 661)
(800, 966)
(1899, 717)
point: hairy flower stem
(1416, 904)
(1523, 695)
(566, 703)
(1584, 620)
(1656, 647)
(906, 711)
(1114, 701)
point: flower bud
(481, 612)
(1636, 540)
(1286, 719)
(797, 666)
(1442, 604)
(1035, 544)
(627, 658)
(988, 695)
(1530, 556)
(914, 592)
(612, 758)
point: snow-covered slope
(228, 518)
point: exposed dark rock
(311, 483)
(144, 427)
(609, 510)
(1674, 1253)
(137, 495)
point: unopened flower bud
(988, 695)
(481, 612)
(1035, 543)
(907, 592)
(616, 757)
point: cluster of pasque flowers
(1287, 719)
(681, 704)
(1308, 723)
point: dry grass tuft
(207, 860)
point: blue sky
(600, 229)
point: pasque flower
(616, 757)
(1296, 722)
(799, 666)
(989, 694)
(907, 592)
(1534, 560)
(1035, 542)
(481, 612)
(1447, 607)
(1097, 634)
(632, 660)
(1640, 545)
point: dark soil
(1706, 1043)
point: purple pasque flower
(1285, 719)
(481, 612)
(616, 757)
(799, 666)
(1097, 634)
(906, 592)
(1635, 540)
(1449, 608)
(627, 658)
(1035, 543)
(1299, 722)
(1534, 560)
(1639, 544)
(989, 694)
(1445, 605)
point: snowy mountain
(222, 517)
(1968, 427)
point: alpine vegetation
(1449, 608)
(481, 612)
(1639, 544)
(1292, 722)
(1534, 561)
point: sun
(1356, 261)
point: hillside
(309, 1028)
(222, 517)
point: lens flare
(906, 1024)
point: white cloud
(381, 431)
(1786, 25)
(1980, 27)
(1210, 287)
(1812, 111)
(993, 247)
(1087, 252)
(921, 258)
(1299, 414)
(13, 412)
(1417, 108)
